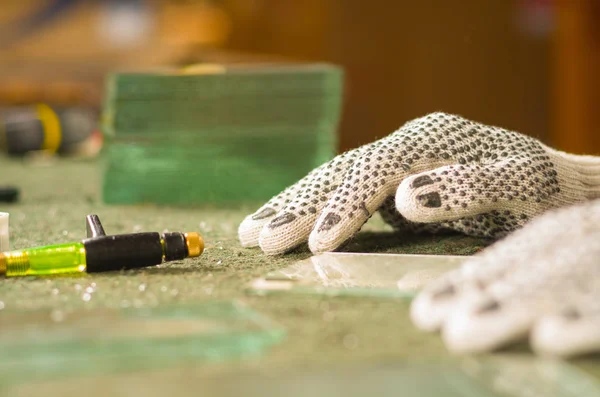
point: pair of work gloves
(444, 172)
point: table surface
(56, 197)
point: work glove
(542, 281)
(437, 172)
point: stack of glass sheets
(242, 133)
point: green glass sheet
(239, 80)
(485, 376)
(41, 345)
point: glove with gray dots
(437, 172)
(541, 283)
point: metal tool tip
(194, 243)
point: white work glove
(441, 169)
(542, 281)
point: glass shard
(357, 274)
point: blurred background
(527, 65)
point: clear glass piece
(358, 274)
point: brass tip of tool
(194, 243)
(2, 263)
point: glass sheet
(526, 375)
(38, 345)
(391, 275)
(505, 375)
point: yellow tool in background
(40, 127)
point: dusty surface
(320, 331)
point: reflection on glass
(358, 274)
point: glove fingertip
(249, 231)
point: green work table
(320, 332)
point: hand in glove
(542, 281)
(440, 169)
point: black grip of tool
(123, 251)
(175, 247)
